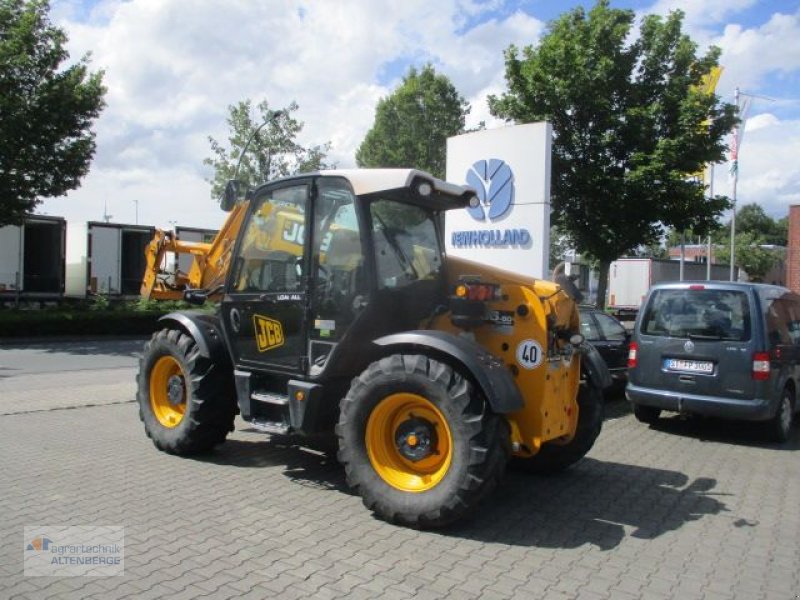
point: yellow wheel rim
(168, 391)
(409, 442)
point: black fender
(595, 367)
(488, 371)
(206, 331)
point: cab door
(264, 309)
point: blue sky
(172, 67)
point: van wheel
(646, 414)
(780, 426)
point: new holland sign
(510, 170)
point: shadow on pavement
(595, 502)
(310, 462)
(740, 433)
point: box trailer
(32, 257)
(629, 279)
(106, 258)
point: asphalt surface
(690, 509)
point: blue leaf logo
(494, 182)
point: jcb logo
(269, 333)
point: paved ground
(693, 509)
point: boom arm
(210, 266)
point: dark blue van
(719, 349)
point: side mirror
(195, 297)
(231, 195)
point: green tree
(273, 151)
(751, 218)
(630, 121)
(413, 123)
(47, 108)
(751, 255)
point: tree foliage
(751, 218)
(630, 122)
(755, 231)
(46, 110)
(413, 123)
(751, 255)
(273, 151)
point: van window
(783, 320)
(702, 313)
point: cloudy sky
(173, 67)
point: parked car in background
(719, 349)
(611, 339)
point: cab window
(406, 243)
(271, 252)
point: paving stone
(650, 513)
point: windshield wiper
(404, 261)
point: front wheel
(186, 402)
(418, 443)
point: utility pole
(710, 197)
(735, 167)
(136, 202)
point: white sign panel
(510, 169)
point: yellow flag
(707, 85)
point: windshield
(406, 243)
(698, 314)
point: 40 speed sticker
(529, 354)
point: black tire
(646, 414)
(479, 441)
(554, 458)
(209, 400)
(780, 426)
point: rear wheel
(554, 457)
(418, 443)
(780, 426)
(186, 402)
(646, 414)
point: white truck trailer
(32, 258)
(106, 258)
(630, 278)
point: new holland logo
(269, 333)
(494, 182)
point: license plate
(689, 366)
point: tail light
(478, 292)
(633, 358)
(761, 366)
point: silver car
(720, 349)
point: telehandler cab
(340, 312)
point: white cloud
(769, 174)
(172, 68)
